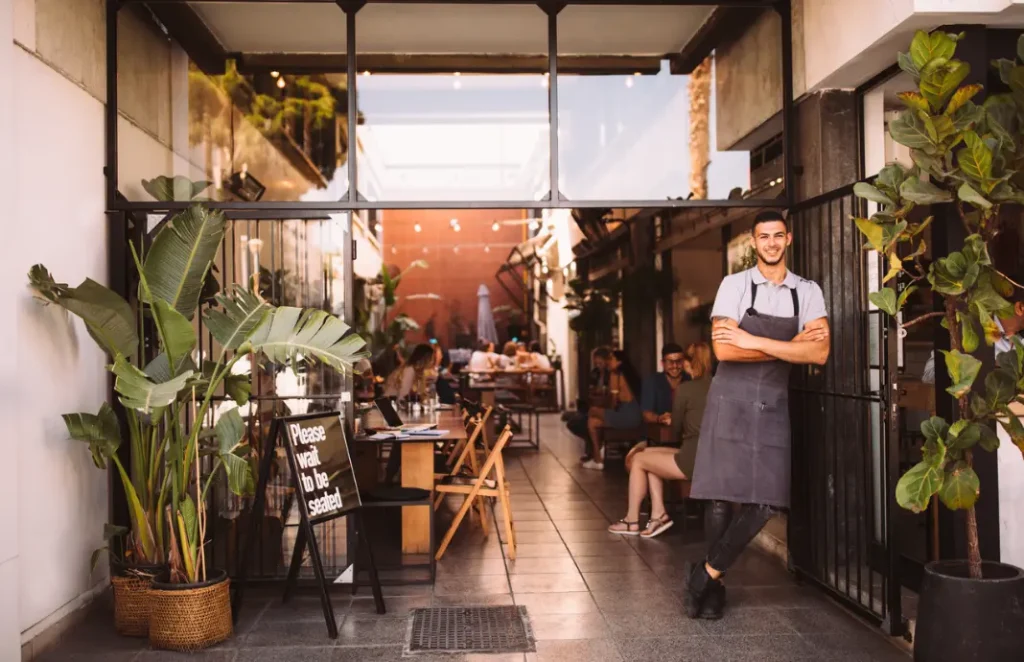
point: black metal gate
(844, 443)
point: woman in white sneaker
(625, 412)
(649, 467)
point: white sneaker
(591, 464)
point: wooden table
(418, 469)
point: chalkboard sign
(322, 466)
(325, 482)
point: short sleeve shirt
(734, 297)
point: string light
(417, 228)
(281, 83)
(487, 249)
(496, 226)
(275, 74)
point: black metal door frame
(846, 423)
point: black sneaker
(714, 605)
(699, 587)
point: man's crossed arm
(731, 343)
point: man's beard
(761, 256)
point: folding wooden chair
(481, 485)
(466, 450)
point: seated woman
(482, 360)
(625, 413)
(411, 376)
(653, 465)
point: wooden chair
(466, 450)
(481, 485)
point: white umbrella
(485, 329)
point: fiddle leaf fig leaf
(935, 428)
(976, 158)
(1000, 389)
(967, 194)
(964, 434)
(904, 295)
(963, 370)
(914, 101)
(970, 335)
(916, 487)
(926, 48)
(961, 97)
(873, 232)
(885, 299)
(869, 192)
(908, 129)
(940, 78)
(989, 440)
(922, 192)
(906, 63)
(895, 267)
(960, 487)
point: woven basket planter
(132, 586)
(190, 617)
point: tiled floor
(590, 595)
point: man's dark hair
(769, 216)
(535, 347)
(602, 353)
(671, 348)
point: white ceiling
(269, 27)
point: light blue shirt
(733, 298)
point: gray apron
(743, 454)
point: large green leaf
(1000, 389)
(177, 264)
(947, 274)
(173, 189)
(889, 179)
(869, 192)
(940, 79)
(906, 63)
(923, 192)
(107, 316)
(908, 129)
(969, 334)
(960, 487)
(242, 314)
(964, 434)
(138, 392)
(178, 336)
(187, 509)
(967, 116)
(1001, 119)
(962, 96)
(239, 473)
(967, 194)
(916, 487)
(963, 370)
(288, 333)
(926, 48)
(935, 428)
(230, 428)
(989, 439)
(914, 101)
(976, 158)
(885, 299)
(101, 431)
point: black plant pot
(970, 620)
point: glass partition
(637, 127)
(255, 132)
(453, 102)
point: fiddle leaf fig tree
(968, 156)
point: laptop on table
(394, 421)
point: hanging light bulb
(281, 83)
(487, 249)
(456, 249)
(394, 251)
(275, 74)
(457, 228)
(424, 250)
(496, 226)
(366, 73)
(629, 82)
(453, 222)
(457, 84)
(417, 228)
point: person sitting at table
(411, 377)
(648, 468)
(483, 359)
(442, 368)
(624, 412)
(659, 389)
(539, 359)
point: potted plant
(969, 157)
(170, 399)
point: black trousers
(730, 532)
(577, 424)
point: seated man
(659, 389)
(650, 467)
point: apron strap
(753, 298)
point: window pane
(253, 127)
(633, 126)
(453, 102)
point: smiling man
(764, 320)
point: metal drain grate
(503, 629)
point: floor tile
(533, 525)
(481, 584)
(578, 549)
(548, 537)
(540, 550)
(758, 621)
(652, 624)
(597, 650)
(590, 625)
(583, 525)
(464, 567)
(303, 608)
(309, 634)
(599, 535)
(395, 607)
(617, 602)
(541, 565)
(669, 649)
(561, 583)
(610, 563)
(360, 630)
(640, 580)
(473, 600)
(278, 654)
(557, 603)
(766, 648)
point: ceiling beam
(725, 25)
(405, 63)
(185, 26)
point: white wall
(1011, 498)
(10, 648)
(57, 220)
